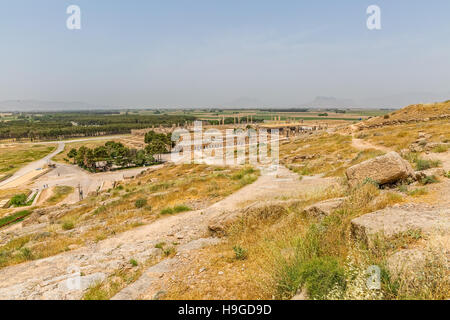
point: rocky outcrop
(398, 219)
(407, 262)
(386, 169)
(271, 209)
(324, 208)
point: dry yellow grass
(15, 156)
(329, 154)
(415, 112)
(272, 246)
(59, 193)
(399, 137)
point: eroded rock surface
(395, 220)
(386, 169)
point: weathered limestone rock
(386, 169)
(301, 295)
(407, 262)
(219, 224)
(437, 172)
(395, 220)
(323, 208)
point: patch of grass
(429, 180)
(68, 225)
(13, 157)
(181, 208)
(245, 176)
(422, 164)
(418, 192)
(240, 253)
(19, 200)
(176, 209)
(26, 253)
(440, 148)
(160, 245)
(140, 203)
(170, 251)
(319, 275)
(16, 217)
(329, 154)
(134, 263)
(394, 137)
(59, 194)
(166, 211)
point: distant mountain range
(393, 101)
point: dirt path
(49, 278)
(365, 145)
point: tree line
(48, 126)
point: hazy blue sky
(209, 53)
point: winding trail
(366, 145)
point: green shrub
(371, 181)
(140, 203)
(167, 211)
(68, 225)
(447, 175)
(169, 251)
(429, 180)
(422, 164)
(240, 253)
(160, 245)
(176, 209)
(320, 275)
(181, 208)
(133, 262)
(19, 200)
(26, 253)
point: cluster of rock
(422, 144)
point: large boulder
(392, 221)
(386, 169)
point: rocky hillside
(410, 114)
